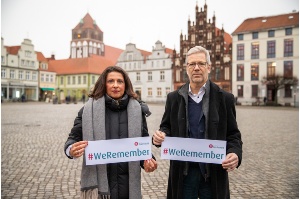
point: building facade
(266, 47)
(46, 79)
(149, 72)
(19, 72)
(203, 32)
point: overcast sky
(49, 23)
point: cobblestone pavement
(33, 164)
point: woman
(110, 103)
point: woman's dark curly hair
(100, 85)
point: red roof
(268, 22)
(93, 65)
(87, 23)
(227, 38)
(145, 54)
(13, 50)
(41, 57)
(169, 51)
(112, 53)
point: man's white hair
(198, 49)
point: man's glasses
(200, 64)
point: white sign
(193, 150)
(118, 150)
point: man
(200, 109)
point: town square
(33, 163)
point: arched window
(85, 49)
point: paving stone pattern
(33, 164)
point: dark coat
(116, 125)
(220, 125)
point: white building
(19, 74)
(150, 73)
(265, 47)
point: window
(288, 31)
(227, 73)
(167, 90)
(79, 79)
(138, 91)
(240, 90)
(73, 80)
(255, 35)
(254, 90)
(254, 72)
(288, 69)
(162, 75)
(22, 62)
(27, 53)
(240, 51)
(240, 72)
(217, 74)
(159, 92)
(271, 69)
(177, 75)
(164, 63)
(149, 91)
(61, 80)
(3, 73)
(209, 36)
(150, 76)
(21, 75)
(240, 37)
(32, 63)
(84, 79)
(34, 76)
(271, 33)
(47, 77)
(69, 80)
(255, 51)
(271, 51)
(12, 74)
(42, 77)
(288, 47)
(27, 75)
(288, 90)
(2, 59)
(129, 57)
(138, 76)
(93, 79)
(193, 37)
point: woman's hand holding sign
(77, 148)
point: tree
(279, 82)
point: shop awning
(47, 89)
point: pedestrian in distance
(83, 98)
(200, 109)
(111, 112)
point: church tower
(87, 39)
